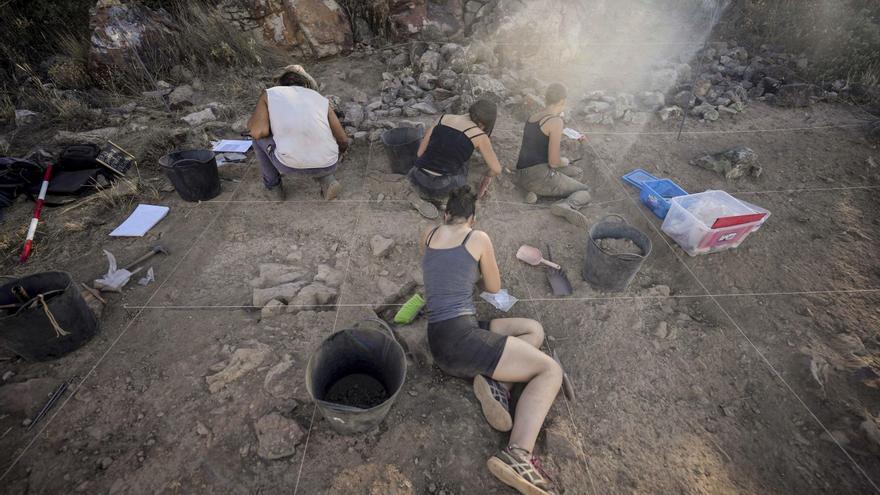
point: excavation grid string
(830, 292)
(122, 334)
(714, 299)
(356, 235)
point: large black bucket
(363, 364)
(53, 321)
(402, 146)
(613, 272)
(193, 174)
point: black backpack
(18, 176)
(79, 157)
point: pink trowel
(533, 256)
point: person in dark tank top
(442, 163)
(494, 354)
(541, 170)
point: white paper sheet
(144, 218)
(571, 133)
(232, 146)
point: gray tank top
(450, 275)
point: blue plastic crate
(637, 177)
(657, 193)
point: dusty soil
(736, 372)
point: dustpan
(533, 256)
(558, 279)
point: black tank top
(448, 150)
(534, 144)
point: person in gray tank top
(495, 354)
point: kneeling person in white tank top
(296, 131)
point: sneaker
(425, 208)
(495, 400)
(518, 469)
(275, 193)
(331, 190)
(531, 198)
(579, 199)
(565, 210)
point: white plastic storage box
(711, 221)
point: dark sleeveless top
(448, 150)
(534, 144)
(450, 275)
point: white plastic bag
(501, 299)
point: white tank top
(300, 127)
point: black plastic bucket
(193, 174)
(402, 146)
(27, 329)
(613, 272)
(356, 356)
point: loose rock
(733, 163)
(329, 275)
(381, 246)
(199, 118)
(277, 436)
(242, 361)
(284, 292)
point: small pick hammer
(158, 248)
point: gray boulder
(354, 114)
(428, 81)
(732, 164)
(199, 118)
(430, 61)
(182, 96)
(425, 108)
(278, 436)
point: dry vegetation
(840, 37)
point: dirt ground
(696, 379)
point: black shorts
(464, 347)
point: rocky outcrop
(312, 28)
(118, 30)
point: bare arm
(258, 125)
(484, 145)
(424, 144)
(336, 128)
(554, 158)
(488, 264)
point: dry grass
(206, 44)
(841, 38)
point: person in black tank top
(442, 163)
(541, 171)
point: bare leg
(522, 328)
(523, 363)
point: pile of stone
(729, 77)
(431, 78)
(282, 288)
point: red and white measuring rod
(38, 210)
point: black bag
(79, 157)
(18, 176)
